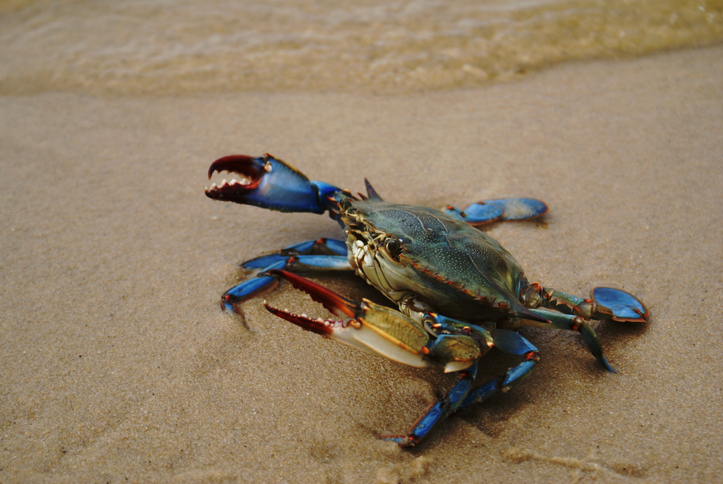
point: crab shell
(409, 252)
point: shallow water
(143, 47)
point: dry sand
(118, 365)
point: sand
(119, 366)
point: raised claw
(367, 326)
(269, 183)
(619, 305)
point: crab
(458, 292)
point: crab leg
(263, 282)
(439, 411)
(452, 329)
(605, 303)
(572, 323)
(319, 255)
(313, 248)
(461, 395)
(513, 343)
(502, 209)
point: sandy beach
(119, 366)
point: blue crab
(458, 291)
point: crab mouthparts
(250, 172)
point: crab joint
(575, 323)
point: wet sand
(118, 365)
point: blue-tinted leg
(312, 255)
(500, 209)
(605, 303)
(251, 288)
(439, 411)
(324, 246)
(513, 343)
(619, 305)
(573, 323)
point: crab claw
(367, 326)
(619, 305)
(269, 183)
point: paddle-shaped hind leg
(605, 303)
(501, 209)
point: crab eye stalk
(393, 246)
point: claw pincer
(365, 325)
(269, 183)
(458, 292)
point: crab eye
(393, 246)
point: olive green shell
(462, 271)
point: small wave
(143, 47)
